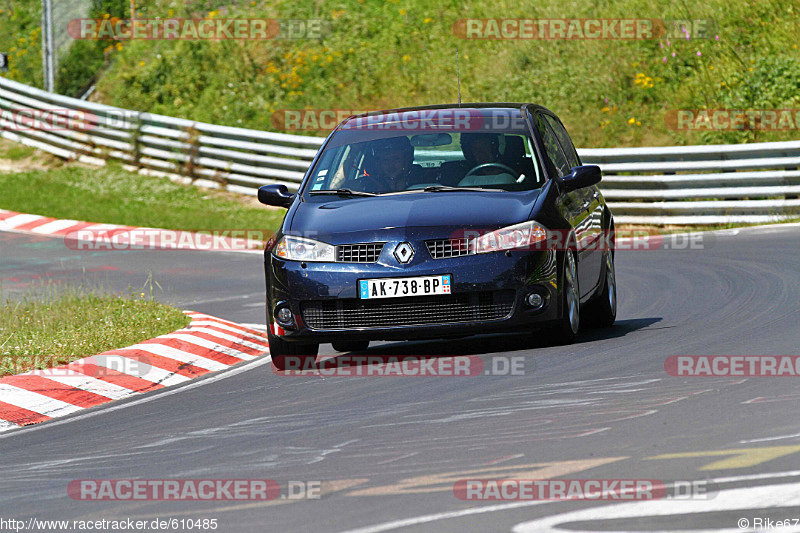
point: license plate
(400, 287)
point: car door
(572, 204)
(592, 204)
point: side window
(565, 141)
(552, 147)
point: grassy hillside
(393, 53)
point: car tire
(293, 355)
(566, 329)
(350, 346)
(602, 311)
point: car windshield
(372, 157)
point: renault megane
(439, 221)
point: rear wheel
(291, 355)
(602, 311)
(566, 329)
(350, 346)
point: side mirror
(580, 177)
(277, 195)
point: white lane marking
(785, 495)
(18, 220)
(56, 225)
(156, 395)
(33, 401)
(257, 327)
(226, 336)
(425, 519)
(83, 382)
(104, 227)
(5, 425)
(140, 369)
(226, 327)
(767, 439)
(179, 355)
(211, 345)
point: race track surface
(389, 449)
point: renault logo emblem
(404, 252)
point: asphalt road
(389, 449)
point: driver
(478, 149)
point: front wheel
(602, 312)
(566, 329)
(291, 355)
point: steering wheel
(501, 166)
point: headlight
(525, 235)
(300, 249)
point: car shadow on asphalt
(486, 344)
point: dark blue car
(439, 221)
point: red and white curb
(207, 344)
(117, 237)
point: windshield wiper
(342, 192)
(447, 188)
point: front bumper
(290, 283)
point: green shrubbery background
(382, 54)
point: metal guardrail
(687, 185)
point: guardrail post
(194, 152)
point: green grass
(16, 152)
(56, 326)
(114, 196)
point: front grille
(446, 248)
(410, 311)
(359, 253)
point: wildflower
(632, 121)
(664, 59)
(699, 53)
(427, 20)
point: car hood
(332, 215)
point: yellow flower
(106, 15)
(711, 67)
(141, 294)
(723, 84)
(141, 63)
(751, 69)
(402, 11)
(606, 109)
(406, 58)
(428, 19)
(119, 46)
(638, 123)
(212, 14)
(170, 12)
(631, 121)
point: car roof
(465, 105)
